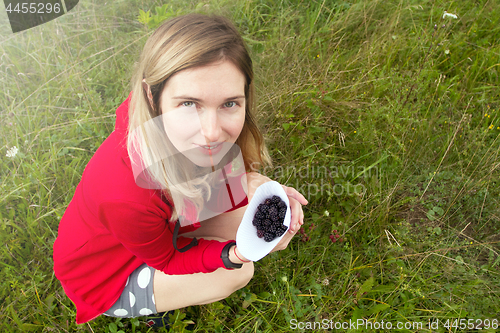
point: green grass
(395, 109)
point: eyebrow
(199, 100)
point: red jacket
(112, 226)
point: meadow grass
(384, 114)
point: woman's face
(203, 111)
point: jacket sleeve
(145, 232)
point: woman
(137, 237)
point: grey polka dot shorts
(137, 299)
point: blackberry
(269, 218)
(273, 214)
(281, 230)
(274, 217)
(281, 214)
(259, 215)
(275, 199)
(268, 237)
(257, 222)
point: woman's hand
(296, 199)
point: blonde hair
(188, 41)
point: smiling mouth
(210, 147)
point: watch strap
(225, 257)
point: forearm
(236, 257)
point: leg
(223, 226)
(179, 291)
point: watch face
(250, 245)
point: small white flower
(326, 213)
(284, 278)
(325, 282)
(12, 152)
(449, 15)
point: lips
(210, 149)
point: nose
(210, 126)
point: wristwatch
(225, 256)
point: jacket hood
(121, 123)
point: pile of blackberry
(269, 218)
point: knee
(240, 277)
(246, 274)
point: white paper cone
(249, 244)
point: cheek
(189, 119)
(238, 127)
(181, 136)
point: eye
(230, 104)
(187, 104)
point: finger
(300, 213)
(291, 192)
(295, 209)
(301, 217)
(300, 220)
(295, 227)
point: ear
(147, 89)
